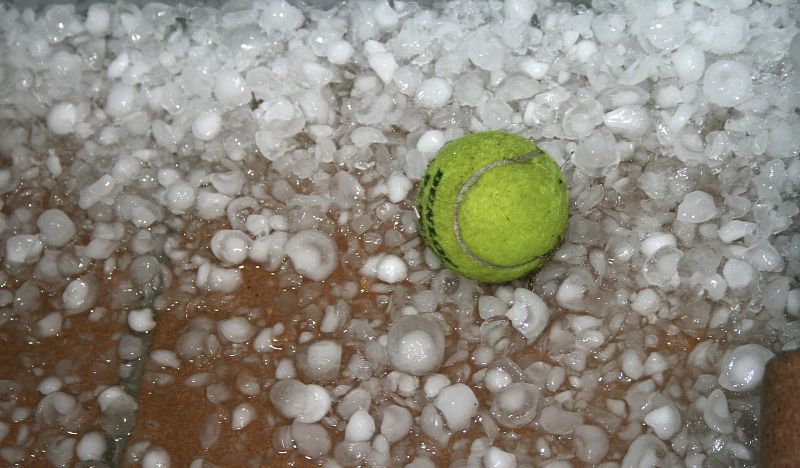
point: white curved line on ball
(463, 192)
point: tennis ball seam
(460, 198)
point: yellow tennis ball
(492, 206)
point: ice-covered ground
(210, 252)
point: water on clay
(210, 255)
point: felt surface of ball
(492, 206)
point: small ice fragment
(49, 385)
(632, 363)
(496, 379)
(608, 28)
(243, 414)
(458, 405)
(664, 421)
(433, 93)
(23, 248)
(738, 273)
(362, 137)
(696, 207)
(118, 66)
(534, 68)
(764, 257)
(520, 12)
(496, 458)
(434, 384)
(360, 427)
(49, 325)
(62, 118)
(743, 368)
(415, 345)
(312, 440)
(716, 413)
(179, 197)
(236, 329)
(313, 254)
(529, 314)
(391, 269)
(141, 320)
(728, 83)
(655, 241)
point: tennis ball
(492, 206)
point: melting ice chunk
(696, 207)
(728, 83)
(458, 404)
(529, 314)
(313, 254)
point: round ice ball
(415, 345)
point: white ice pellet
(236, 329)
(62, 118)
(91, 446)
(280, 16)
(49, 325)
(696, 207)
(231, 246)
(78, 295)
(496, 458)
(735, 229)
(664, 421)
(743, 368)
(218, 279)
(399, 186)
(23, 248)
(230, 89)
(396, 423)
(590, 443)
(313, 254)
(458, 405)
(496, 379)
(211, 205)
(340, 52)
(120, 100)
(738, 274)
(628, 121)
(728, 83)
(165, 358)
(534, 68)
(49, 385)
(632, 363)
(360, 427)
(391, 269)
(98, 19)
(118, 66)
(56, 228)
(415, 345)
(646, 302)
(654, 242)
(434, 383)
(141, 320)
(431, 141)
(156, 457)
(433, 93)
(180, 197)
(384, 65)
(529, 314)
(689, 62)
(207, 125)
(317, 403)
(98, 190)
(242, 415)
(716, 413)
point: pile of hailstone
(294, 138)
